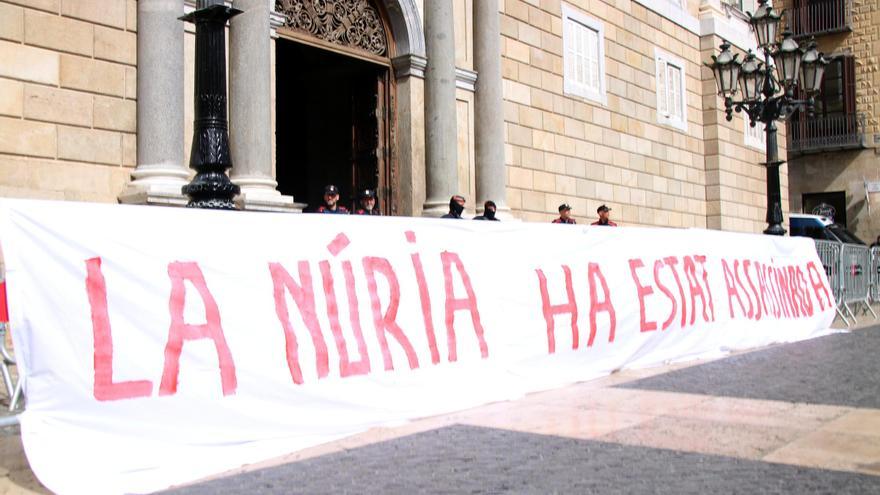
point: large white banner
(161, 345)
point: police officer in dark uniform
(604, 212)
(564, 215)
(331, 202)
(367, 201)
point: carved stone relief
(351, 23)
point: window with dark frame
(835, 121)
(838, 95)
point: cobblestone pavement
(16, 476)
(841, 369)
(469, 459)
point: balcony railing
(818, 17)
(833, 132)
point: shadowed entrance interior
(330, 123)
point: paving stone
(466, 459)
(840, 369)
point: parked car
(822, 228)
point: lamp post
(210, 157)
(767, 97)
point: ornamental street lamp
(210, 157)
(768, 96)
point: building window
(836, 123)
(838, 95)
(744, 5)
(583, 40)
(754, 137)
(671, 90)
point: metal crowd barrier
(829, 255)
(875, 274)
(856, 270)
(854, 274)
(13, 387)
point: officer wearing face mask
(488, 212)
(456, 207)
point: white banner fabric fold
(162, 345)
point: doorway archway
(335, 95)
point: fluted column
(160, 171)
(441, 131)
(250, 109)
(491, 173)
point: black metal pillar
(210, 157)
(774, 193)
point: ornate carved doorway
(334, 101)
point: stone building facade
(836, 161)
(67, 99)
(530, 103)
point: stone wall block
(53, 6)
(533, 200)
(517, 9)
(27, 63)
(11, 98)
(57, 105)
(92, 75)
(517, 92)
(21, 137)
(544, 181)
(11, 22)
(529, 34)
(130, 83)
(541, 19)
(58, 33)
(516, 50)
(108, 12)
(566, 185)
(16, 172)
(131, 15)
(71, 178)
(29, 193)
(129, 150)
(115, 114)
(115, 45)
(89, 145)
(520, 178)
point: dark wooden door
(370, 137)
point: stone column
(160, 171)
(250, 109)
(441, 130)
(491, 171)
